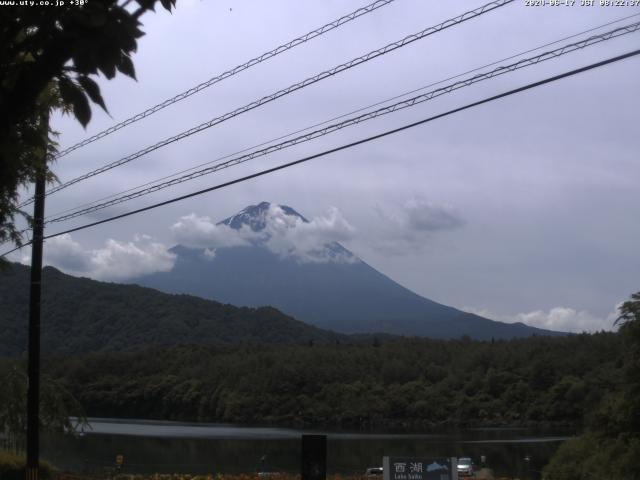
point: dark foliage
(57, 406)
(610, 446)
(46, 58)
(12, 467)
(81, 315)
(407, 383)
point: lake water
(164, 447)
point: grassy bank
(12, 467)
(484, 474)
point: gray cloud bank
(409, 227)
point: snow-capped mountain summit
(270, 254)
(255, 216)
(287, 233)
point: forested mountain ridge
(82, 315)
(408, 383)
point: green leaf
(92, 89)
(128, 40)
(82, 18)
(108, 69)
(83, 62)
(126, 66)
(167, 4)
(66, 87)
(33, 137)
(73, 95)
(81, 108)
(147, 4)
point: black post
(33, 390)
(314, 457)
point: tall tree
(60, 49)
(610, 446)
(58, 406)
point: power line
(395, 97)
(229, 73)
(382, 102)
(292, 88)
(352, 144)
(595, 39)
(629, 27)
(19, 247)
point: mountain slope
(82, 315)
(333, 290)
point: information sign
(420, 468)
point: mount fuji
(271, 255)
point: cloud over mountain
(273, 227)
(200, 232)
(115, 261)
(288, 236)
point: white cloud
(115, 261)
(287, 235)
(566, 319)
(562, 319)
(67, 254)
(200, 232)
(284, 235)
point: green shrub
(588, 457)
(12, 467)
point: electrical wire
(292, 88)
(593, 40)
(386, 133)
(229, 73)
(338, 117)
(382, 102)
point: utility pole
(314, 457)
(33, 389)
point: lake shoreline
(385, 427)
(167, 428)
(152, 446)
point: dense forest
(82, 315)
(160, 356)
(408, 383)
(609, 446)
(589, 383)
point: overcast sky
(524, 209)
